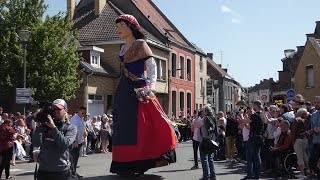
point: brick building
(223, 92)
(307, 76)
(286, 75)
(201, 77)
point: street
(96, 167)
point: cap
(258, 103)
(60, 103)
(131, 19)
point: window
(197, 107)
(161, 68)
(182, 102)
(189, 69)
(231, 93)
(226, 92)
(174, 103)
(189, 102)
(181, 67)
(174, 64)
(201, 64)
(310, 76)
(94, 97)
(95, 58)
(201, 87)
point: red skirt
(155, 142)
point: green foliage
(52, 60)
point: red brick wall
(183, 85)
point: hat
(60, 103)
(131, 19)
(258, 103)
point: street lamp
(289, 53)
(24, 36)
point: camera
(47, 109)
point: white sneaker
(300, 176)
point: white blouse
(151, 66)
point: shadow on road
(172, 171)
(239, 168)
(115, 177)
(25, 174)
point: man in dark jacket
(255, 142)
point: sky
(246, 36)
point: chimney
(310, 35)
(210, 55)
(219, 65)
(300, 49)
(71, 6)
(98, 6)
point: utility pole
(221, 58)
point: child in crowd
(27, 140)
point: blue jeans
(207, 164)
(253, 157)
(314, 158)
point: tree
(52, 60)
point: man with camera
(52, 138)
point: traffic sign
(291, 93)
(289, 100)
(23, 92)
(264, 98)
(23, 100)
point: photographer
(53, 137)
(207, 131)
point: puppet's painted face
(123, 30)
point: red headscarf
(131, 19)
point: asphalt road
(96, 167)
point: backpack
(208, 145)
(211, 125)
